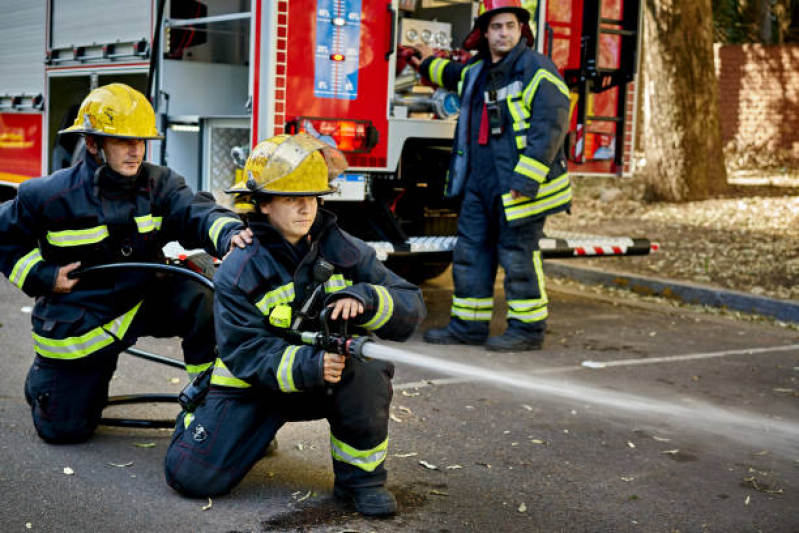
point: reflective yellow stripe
(532, 87)
(531, 310)
(88, 343)
(187, 418)
(436, 70)
(519, 113)
(364, 459)
(77, 237)
(521, 142)
(463, 76)
(281, 295)
(285, 374)
(224, 377)
(385, 308)
(539, 206)
(148, 223)
(530, 168)
(216, 229)
(336, 283)
(23, 267)
(472, 309)
(196, 370)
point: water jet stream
(756, 431)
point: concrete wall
(759, 100)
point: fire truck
(224, 74)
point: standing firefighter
(508, 165)
(109, 208)
(262, 380)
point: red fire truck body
(224, 74)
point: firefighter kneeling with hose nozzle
(300, 265)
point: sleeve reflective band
(521, 142)
(77, 237)
(216, 229)
(436, 70)
(148, 223)
(336, 283)
(285, 377)
(364, 459)
(224, 377)
(530, 168)
(86, 344)
(23, 267)
(472, 309)
(532, 87)
(385, 308)
(281, 295)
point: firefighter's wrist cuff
(532, 169)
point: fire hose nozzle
(354, 347)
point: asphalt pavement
(635, 417)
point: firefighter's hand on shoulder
(63, 283)
(240, 240)
(346, 308)
(424, 52)
(333, 367)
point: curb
(686, 292)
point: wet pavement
(682, 422)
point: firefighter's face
(503, 33)
(292, 216)
(124, 156)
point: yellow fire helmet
(116, 110)
(288, 165)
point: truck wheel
(416, 270)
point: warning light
(356, 136)
(337, 57)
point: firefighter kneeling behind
(261, 380)
(109, 208)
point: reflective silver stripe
(538, 206)
(216, 229)
(542, 74)
(337, 282)
(223, 376)
(508, 91)
(473, 309)
(530, 168)
(385, 308)
(23, 267)
(89, 342)
(285, 376)
(471, 314)
(281, 295)
(148, 223)
(367, 460)
(531, 316)
(78, 237)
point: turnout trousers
(67, 397)
(485, 240)
(214, 447)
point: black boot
(446, 336)
(514, 341)
(369, 501)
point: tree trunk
(684, 158)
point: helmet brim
(84, 131)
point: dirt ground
(747, 241)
